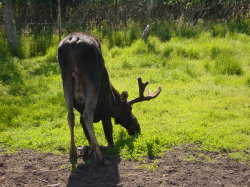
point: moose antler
(149, 95)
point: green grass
(205, 96)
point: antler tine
(142, 86)
(141, 97)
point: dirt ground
(179, 167)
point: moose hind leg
(73, 150)
(68, 94)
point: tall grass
(37, 44)
(205, 81)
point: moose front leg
(108, 131)
(85, 130)
(88, 119)
(92, 92)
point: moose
(87, 89)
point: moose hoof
(98, 154)
(86, 152)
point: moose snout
(134, 131)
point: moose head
(122, 109)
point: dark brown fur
(87, 89)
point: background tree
(9, 26)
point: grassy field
(205, 97)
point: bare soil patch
(179, 167)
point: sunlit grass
(205, 97)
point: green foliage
(51, 54)
(187, 31)
(205, 96)
(247, 81)
(219, 30)
(227, 65)
(225, 61)
(242, 26)
(120, 38)
(4, 49)
(162, 30)
(36, 44)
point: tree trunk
(10, 27)
(59, 20)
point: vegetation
(205, 99)
(42, 14)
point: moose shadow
(92, 174)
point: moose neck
(115, 101)
(115, 96)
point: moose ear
(124, 96)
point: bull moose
(87, 88)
